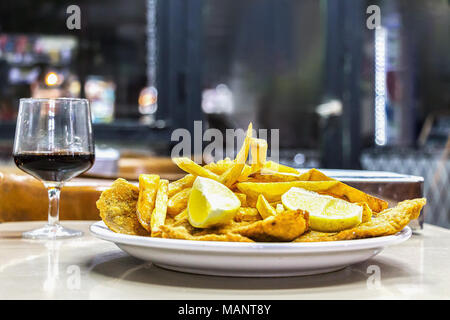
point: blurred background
(343, 96)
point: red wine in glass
(54, 143)
(58, 166)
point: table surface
(89, 268)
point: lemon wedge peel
(264, 208)
(326, 213)
(211, 203)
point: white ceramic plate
(249, 259)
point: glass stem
(53, 204)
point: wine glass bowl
(53, 143)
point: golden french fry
(314, 175)
(220, 166)
(181, 216)
(279, 167)
(258, 149)
(148, 187)
(279, 208)
(367, 212)
(191, 167)
(177, 186)
(272, 191)
(264, 207)
(269, 175)
(242, 155)
(343, 191)
(178, 202)
(160, 210)
(247, 214)
(245, 173)
(242, 198)
(232, 174)
(251, 201)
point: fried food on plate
(282, 227)
(277, 167)
(160, 210)
(346, 192)
(273, 191)
(117, 206)
(191, 167)
(258, 150)
(211, 203)
(264, 207)
(181, 233)
(235, 170)
(367, 213)
(250, 198)
(183, 183)
(339, 189)
(326, 213)
(388, 222)
(279, 208)
(178, 202)
(270, 175)
(247, 214)
(220, 166)
(242, 198)
(187, 233)
(148, 186)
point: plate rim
(99, 230)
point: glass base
(49, 232)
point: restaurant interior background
(343, 95)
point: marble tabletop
(89, 268)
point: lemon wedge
(211, 203)
(326, 213)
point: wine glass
(53, 143)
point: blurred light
(147, 97)
(331, 108)
(380, 86)
(299, 159)
(74, 88)
(51, 79)
(14, 75)
(93, 88)
(218, 100)
(160, 124)
(102, 96)
(148, 100)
